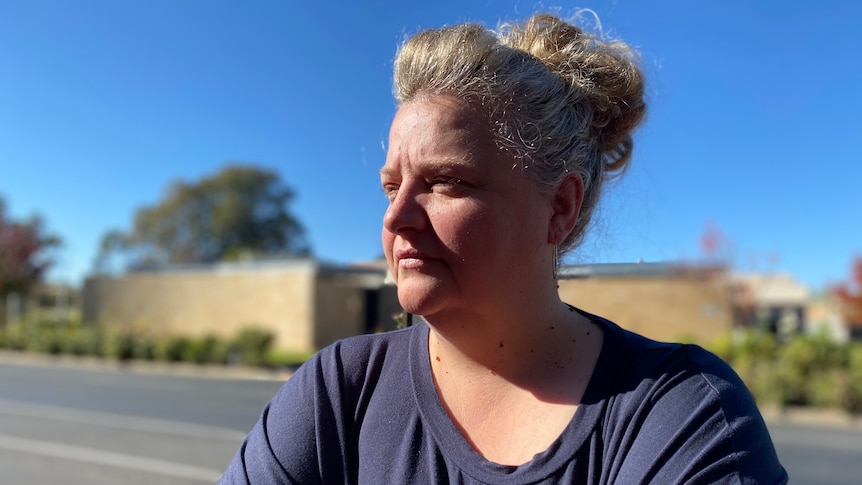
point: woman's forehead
(439, 123)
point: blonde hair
(559, 98)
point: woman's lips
(410, 258)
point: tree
(715, 246)
(24, 253)
(850, 294)
(242, 210)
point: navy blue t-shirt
(365, 410)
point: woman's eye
(447, 181)
(449, 186)
(389, 190)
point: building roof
(773, 289)
(635, 269)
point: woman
(496, 159)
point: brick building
(304, 303)
(308, 304)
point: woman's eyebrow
(388, 172)
(442, 164)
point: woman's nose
(405, 212)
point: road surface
(62, 424)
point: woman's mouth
(410, 258)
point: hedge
(251, 346)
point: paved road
(88, 426)
(821, 455)
(61, 425)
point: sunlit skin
(461, 212)
(470, 240)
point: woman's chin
(420, 298)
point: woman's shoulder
(305, 432)
(334, 380)
(351, 359)
(639, 357)
(690, 409)
(658, 368)
(366, 346)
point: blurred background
(198, 182)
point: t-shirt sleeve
(300, 437)
(700, 425)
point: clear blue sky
(755, 118)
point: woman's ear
(566, 205)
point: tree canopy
(24, 253)
(850, 294)
(240, 211)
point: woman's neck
(533, 351)
(515, 377)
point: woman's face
(465, 225)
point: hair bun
(560, 100)
(602, 73)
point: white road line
(135, 423)
(90, 455)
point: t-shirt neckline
(457, 449)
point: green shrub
(119, 344)
(812, 370)
(144, 347)
(220, 352)
(852, 397)
(53, 336)
(752, 353)
(826, 388)
(171, 348)
(208, 349)
(42, 336)
(287, 358)
(16, 337)
(804, 370)
(83, 339)
(762, 379)
(252, 345)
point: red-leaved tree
(850, 294)
(24, 254)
